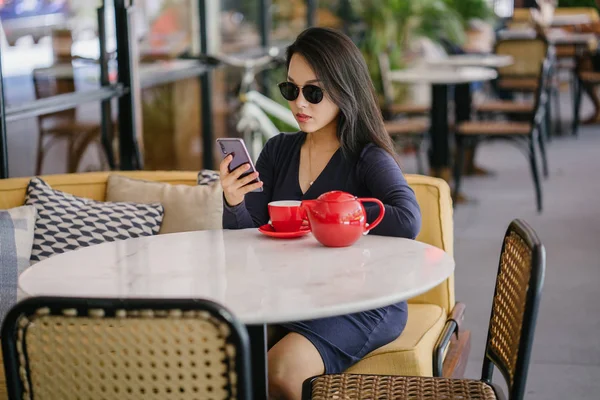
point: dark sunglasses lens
(313, 94)
(289, 91)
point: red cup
(286, 215)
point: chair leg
(576, 104)
(458, 164)
(542, 144)
(548, 131)
(536, 176)
(556, 96)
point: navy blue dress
(344, 340)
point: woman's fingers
(224, 166)
(249, 188)
(231, 178)
(246, 180)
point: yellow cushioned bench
(412, 352)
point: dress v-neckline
(314, 182)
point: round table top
(443, 75)
(572, 19)
(475, 60)
(261, 280)
(569, 38)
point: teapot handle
(368, 227)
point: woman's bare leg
(291, 361)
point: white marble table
(474, 60)
(261, 280)
(572, 19)
(444, 75)
(570, 38)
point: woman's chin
(308, 126)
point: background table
(474, 60)
(260, 279)
(440, 78)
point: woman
(342, 145)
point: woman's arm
(384, 180)
(253, 211)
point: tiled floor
(566, 356)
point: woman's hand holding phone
(234, 188)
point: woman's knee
(282, 384)
(291, 361)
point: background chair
(525, 134)
(400, 121)
(67, 348)
(510, 337)
(528, 55)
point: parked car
(36, 18)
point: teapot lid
(336, 196)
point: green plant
(471, 9)
(577, 3)
(390, 26)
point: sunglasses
(313, 94)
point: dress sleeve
(253, 211)
(384, 180)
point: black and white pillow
(66, 222)
(207, 177)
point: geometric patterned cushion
(16, 240)
(66, 222)
(207, 177)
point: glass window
(289, 19)
(239, 25)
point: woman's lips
(303, 117)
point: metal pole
(205, 94)
(264, 22)
(3, 138)
(311, 12)
(105, 107)
(130, 158)
(265, 19)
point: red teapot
(338, 219)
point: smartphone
(237, 148)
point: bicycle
(253, 121)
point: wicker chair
(528, 55)
(521, 110)
(67, 348)
(510, 337)
(523, 133)
(400, 121)
(583, 78)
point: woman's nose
(301, 101)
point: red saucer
(268, 230)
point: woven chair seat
(590, 76)
(493, 128)
(519, 84)
(3, 390)
(565, 51)
(505, 106)
(408, 108)
(380, 387)
(407, 127)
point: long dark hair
(340, 66)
